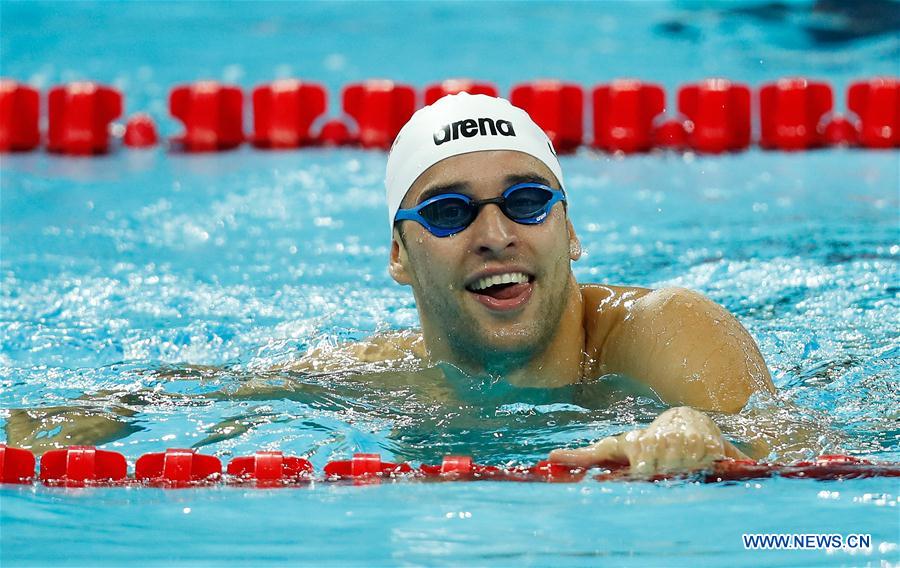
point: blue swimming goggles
(449, 213)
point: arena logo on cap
(469, 127)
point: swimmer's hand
(680, 439)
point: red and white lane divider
(80, 466)
(628, 116)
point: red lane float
(670, 134)
(212, 115)
(16, 465)
(624, 112)
(79, 115)
(19, 112)
(364, 466)
(464, 469)
(790, 111)
(557, 107)
(283, 112)
(177, 467)
(553, 472)
(336, 133)
(877, 104)
(140, 132)
(270, 467)
(719, 115)
(460, 468)
(839, 131)
(453, 86)
(380, 109)
(77, 466)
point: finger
(713, 448)
(694, 448)
(642, 456)
(637, 449)
(674, 456)
(581, 457)
(606, 450)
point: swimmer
(478, 217)
(478, 214)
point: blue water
(118, 272)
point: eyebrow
(463, 187)
(457, 187)
(527, 177)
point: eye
(448, 213)
(527, 202)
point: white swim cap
(459, 124)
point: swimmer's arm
(108, 416)
(689, 350)
(42, 429)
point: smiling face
(492, 294)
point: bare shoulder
(390, 347)
(604, 307)
(599, 296)
(688, 349)
(687, 307)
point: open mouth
(502, 292)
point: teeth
(508, 278)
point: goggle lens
(526, 203)
(449, 213)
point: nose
(493, 232)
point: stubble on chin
(478, 342)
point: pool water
(161, 295)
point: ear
(399, 260)
(574, 243)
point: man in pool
(480, 232)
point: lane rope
(627, 116)
(88, 466)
